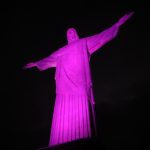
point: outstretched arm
(42, 64)
(97, 41)
(48, 62)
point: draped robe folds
(71, 117)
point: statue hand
(124, 18)
(29, 65)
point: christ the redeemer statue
(74, 97)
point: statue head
(72, 35)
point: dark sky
(120, 69)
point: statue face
(72, 35)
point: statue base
(74, 145)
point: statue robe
(71, 117)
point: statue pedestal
(76, 145)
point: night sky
(120, 70)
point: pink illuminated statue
(74, 97)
